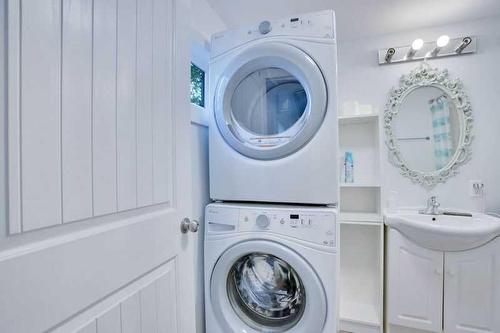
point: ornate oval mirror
(428, 125)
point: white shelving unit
(358, 119)
(362, 228)
(361, 217)
(365, 184)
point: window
(197, 86)
(200, 55)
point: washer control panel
(316, 225)
(312, 225)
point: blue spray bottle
(348, 167)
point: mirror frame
(424, 76)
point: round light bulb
(443, 40)
(417, 44)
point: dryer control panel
(316, 25)
(310, 224)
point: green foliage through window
(197, 86)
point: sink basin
(445, 232)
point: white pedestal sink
(445, 232)
(442, 273)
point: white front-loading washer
(271, 268)
(273, 129)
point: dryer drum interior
(270, 101)
(265, 291)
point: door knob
(188, 225)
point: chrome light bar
(429, 50)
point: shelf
(365, 314)
(356, 119)
(349, 327)
(360, 199)
(361, 280)
(362, 223)
(360, 218)
(359, 185)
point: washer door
(270, 101)
(270, 290)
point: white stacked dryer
(271, 239)
(273, 131)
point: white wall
(205, 21)
(361, 78)
(3, 118)
(200, 196)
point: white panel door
(162, 97)
(144, 102)
(472, 290)
(110, 321)
(145, 307)
(41, 108)
(76, 115)
(126, 105)
(127, 271)
(104, 107)
(89, 98)
(415, 284)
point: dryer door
(270, 101)
(270, 290)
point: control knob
(265, 27)
(262, 221)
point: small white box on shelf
(350, 108)
(367, 109)
(353, 109)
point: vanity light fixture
(441, 42)
(415, 46)
(465, 42)
(444, 46)
(389, 54)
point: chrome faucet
(432, 207)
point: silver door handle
(188, 225)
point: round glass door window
(269, 102)
(266, 292)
